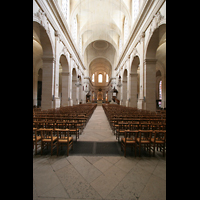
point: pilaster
(47, 82)
(141, 84)
(150, 84)
(65, 77)
(133, 92)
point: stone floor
(99, 177)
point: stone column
(65, 77)
(128, 91)
(133, 91)
(128, 83)
(150, 84)
(70, 82)
(141, 86)
(35, 80)
(47, 83)
(124, 92)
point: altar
(99, 102)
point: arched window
(160, 90)
(107, 77)
(125, 30)
(135, 9)
(100, 78)
(120, 45)
(160, 93)
(75, 29)
(80, 45)
(65, 8)
(92, 77)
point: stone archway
(134, 80)
(124, 85)
(157, 39)
(43, 58)
(74, 87)
(64, 81)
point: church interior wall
(143, 83)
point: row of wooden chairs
(44, 137)
(149, 139)
(133, 123)
(120, 127)
(55, 128)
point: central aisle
(98, 128)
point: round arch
(124, 87)
(45, 38)
(152, 57)
(63, 80)
(46, 57)
(157, 38)
(74, 88)
(134, 81)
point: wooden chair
(134, 126)
(73, 129)
(159, 139)
(63, 138)
(47, 138)
(144, 139)
(36, 139)
(129, 140)
(121, 129)
(145, 126)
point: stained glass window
(160, 90)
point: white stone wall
(52, 39)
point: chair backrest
(46, 133)
(160, 135)
(123, 126)
(61, 124)
(155, 126)
(145, 126)
(63, 135)
(40, 124)
(163, 126)
(134, 126)
(145, 135)
(72, 125)
(50, 124)
(131, 135)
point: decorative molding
(150, 61)
(48, 59)
(42, 19)
(141, 37)
(157, 18)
